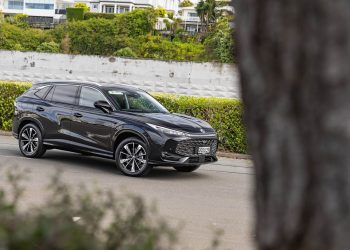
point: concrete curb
(219, 153)
(233, 155)
(6, 133)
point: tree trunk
(294, 61)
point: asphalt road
(215, 196)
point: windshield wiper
(133, 110)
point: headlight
(167, 131)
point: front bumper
(184, 151)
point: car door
(92, 127)
(57, 114)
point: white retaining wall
(186, 78)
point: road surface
(215, 196)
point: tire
(30, 141)
(187, 168)
(131, 157)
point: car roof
(90, 83)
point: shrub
(186, 3)
(9, 91)
(83, 6)
(105, 34)
(89, 15)
(225, 115)
(74, 14)
(160, 12)
(136, 23)
(170, 14)
(50, 47)
(96, 37)
(19, 20)
(125, 52)
(158, 47)
(13, 37)
(219, 45)
(68, 219)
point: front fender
(131, 129)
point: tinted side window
(65, 94)
(88, 96)
(41, 92)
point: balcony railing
(190, 19)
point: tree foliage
(12, 37)
(48, 47)
(103, 34)
(72, 220)
(83, 6)
(74, 14)
(125, 52)
(185, 3)
(219, 45)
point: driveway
(215, 196)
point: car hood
(174, 121)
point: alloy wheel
(133, 157)
(29, 140)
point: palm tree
(207, 12)
(211, 11)
(201, 9)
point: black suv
(113, 121)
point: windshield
(136, 101)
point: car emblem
(202, 130)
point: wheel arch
(127, 133)
(28, 120)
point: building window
(109, 9)
(39, 6)
(95, 6)
(123, 9)
(192, 14)
(15, 5)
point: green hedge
(75, 14)
(225, 115)
(8, 93)
(89, 15)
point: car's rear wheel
(30, 141)
(131, 157)
(187, 168)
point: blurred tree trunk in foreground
(294, 60)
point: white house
(121, 6)
(50, 11)
(190, 19)
(38, 11)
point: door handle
(40, 108)
(78, 115)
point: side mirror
(104, 106)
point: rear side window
(49, 95)
(64, 94)
(41, 92)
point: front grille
(190, 147)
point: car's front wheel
(131, 157)
(187, 168)
(31, 142)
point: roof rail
(67, 81)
